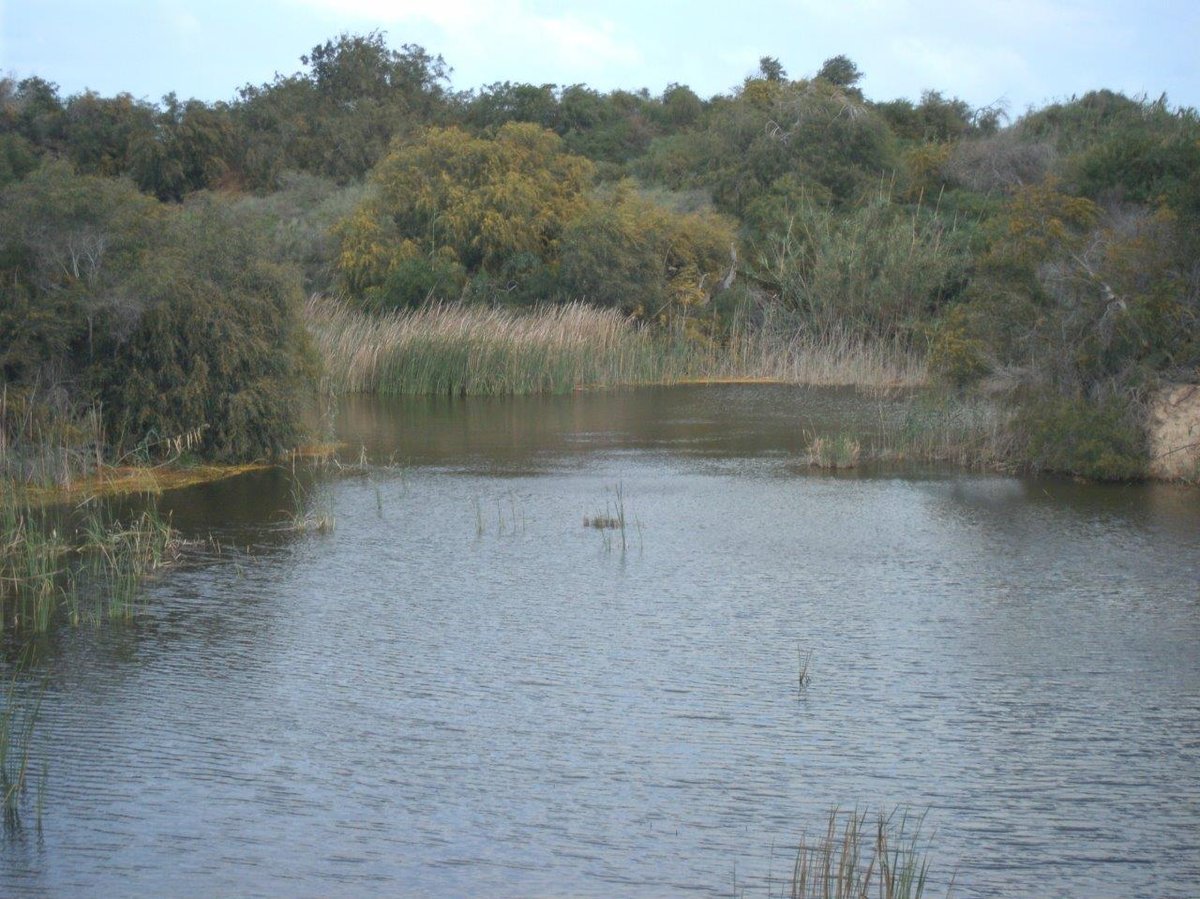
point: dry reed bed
(474, 350)
(554, 349)
(830, 359)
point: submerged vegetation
(525, 238)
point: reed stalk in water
(859, 856)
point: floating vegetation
(860, 855)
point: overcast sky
(1021, 52)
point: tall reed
(45, 442)
(469, 350)
(834, 357)
(859, 856)
(554, 349)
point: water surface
(462, 690)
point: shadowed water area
(461, 690)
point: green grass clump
(837, 452)
(51, 568)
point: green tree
(629, 252)
(99, 131)
(840, 71)
(771, 69)
(192, 147)
(338, 117)
(477, 202)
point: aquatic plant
(459, 349)
(612, 519)
(119, 556)
(837, 452)
(93, 571)
(18, 718)
(803, 658)
(469, 350)
(859, 855)
(510, 517)
(777, 350)
(310, 512)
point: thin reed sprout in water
(612, 519)
(860, 855)
(18, 719)
(803, 660)
(311, 512)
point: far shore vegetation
(181, 282)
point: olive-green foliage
(876, 270)
(298, 221)
(629, 252)
(339, 116)
(66, 244)
(415, 281)
(101, 131)
(956, 354)
(1099, 439)
(935, 118)
(173, 319)
(812, 131)
(1079, 123)
(220, 345)
(193, 146)
(32, 109)
(17, 158)
(474, 201)
(840, 71)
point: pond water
(461, 690)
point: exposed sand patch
(1174, 430)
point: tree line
(153, 255)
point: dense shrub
(1099, 439)
(220, 347)
(629, 252)
(174, 320)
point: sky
(1020, 53)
